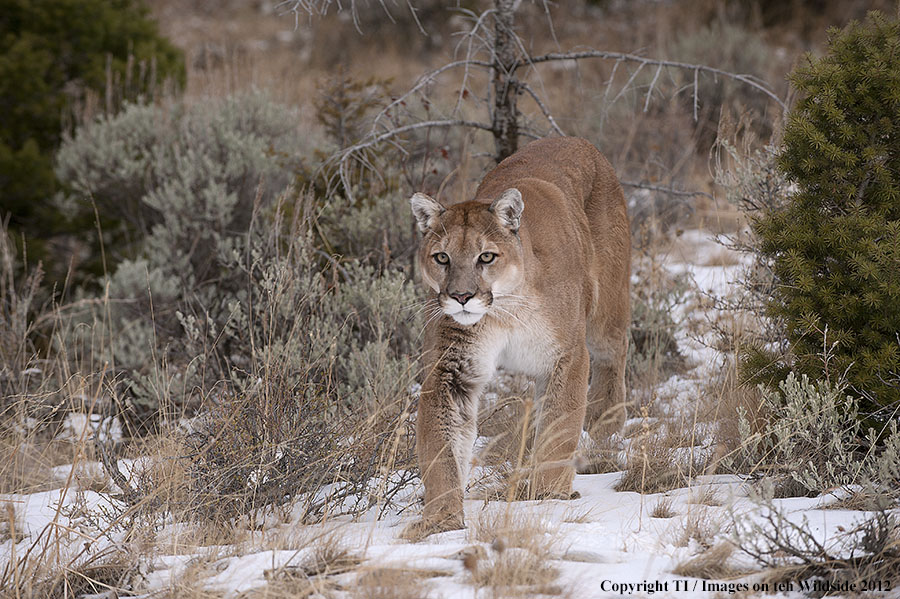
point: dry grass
(663, 509)
(11, 524)
(329, 557)
(515, 572)
(652, 466)
(293, 585)
(710, 563)
(108, 570)
(706, 496)
(394, 583)
(727, 398)
(25, 467)
(508, 421)
(516, 562)
(508, 529)
(601, 456)
(189, 592)
(699, 526)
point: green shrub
(835, 247)
(53, 54)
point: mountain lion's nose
(462, 298)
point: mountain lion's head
(471, 255)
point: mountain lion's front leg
(445, 434)
(560, 424)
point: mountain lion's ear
(508, 208)
(426, 211)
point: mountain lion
(531, 275)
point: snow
(604, 544)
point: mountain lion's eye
(487, 257)
(441, 258)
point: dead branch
(491, 43)
(425, 80)
(669, 190)
(312, 8)
(524, 86)
(749, 80)
(344, 156)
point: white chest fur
(529, 351)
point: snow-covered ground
(603, 544)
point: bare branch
(620, 56)
(469, 37)
(669, 190)
(609, 83)
(320, 8)
(424, 80)
(628, 83)
(652, 85)
(543, 107)
(353, 151)
(696, 93)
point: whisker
(415, 303)
(426, 306)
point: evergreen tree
(52, 53)
(835, 247)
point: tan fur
(553, 303)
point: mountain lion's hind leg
(562, 418)
(606, 405)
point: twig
(696, 93)
(333, 261)
(652, 85)
(469, 37)
(129, 495)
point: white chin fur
(465, 315)
(467, 318)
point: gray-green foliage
(379, 227)
(178, 179)
(813, 440)
(221, 286)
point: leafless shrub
(653, 354)
(652, 463)
(870, 551)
